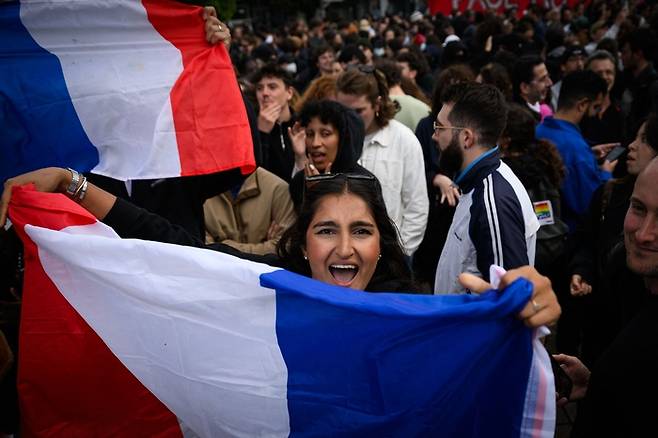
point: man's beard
(451, 158)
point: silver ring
(219, 27)
(536, 307)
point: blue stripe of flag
(35, 106)
(363, 364)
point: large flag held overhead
(124, 337)
(125, 88)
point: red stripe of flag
(70, 384)
(210, 119)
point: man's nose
(647, 232)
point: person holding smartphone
(601, 287)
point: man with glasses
(581, 94)
(494, 223)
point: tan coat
(243, 223)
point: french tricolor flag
(125, 337)
(124, 88)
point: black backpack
(551, 238)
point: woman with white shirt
(390, 150)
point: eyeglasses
(438, 127)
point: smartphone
(617, 152)
(563, 383)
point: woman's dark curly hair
(348, 125)
(520, 130)
(392, 268)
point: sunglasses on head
(331, 176)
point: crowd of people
(396, 153)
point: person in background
(606, 126)
(495, 223)
(321, 64)
(573, 59)
(415, 67)
(252, 216)
(274, 92)
(613, 396)
(390, 151)
(531, 84)
(582, 93)
(604, 291)
(322, 88)
(328, 138)
(411, 109)
(640, 77)
(497, 75)
(443, 194)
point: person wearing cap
(573, 59)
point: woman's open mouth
(343, 274)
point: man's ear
(582, 105)
(468, 135)
(291, 92)
(524, 88)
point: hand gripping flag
(125, 88)
(124, 337)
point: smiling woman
(343, 236)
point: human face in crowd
(343, 242)
(325, 62)
(639, 152)
(606, 69)
(446, 136)
(363, 107)
(272, 91)
(407, 72)
(627, 57)
(537, 89)
(574, 63)
(321, 143)
(336, 68)
(641, 224)
(595, 105)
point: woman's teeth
(343, 273)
